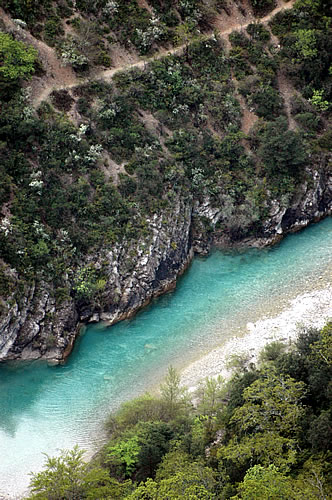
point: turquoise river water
(46, 408)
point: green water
(45, 408)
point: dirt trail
(56, 72)
(287, 92)
(108, 74)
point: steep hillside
(147, 132)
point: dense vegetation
(172, 128)
(264, 434)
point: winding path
(55, 71)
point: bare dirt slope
(287, 91)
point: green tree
(281, 150)
(17, 60)
(318, 100)
(178, 477)
(139, 450)
(266, 484)
(262, 448)
(175, 396)
(68, 477)
(142, 409)
(322, 348)
(306, 44)
(210, 393)
(272, 403)
(266, 426)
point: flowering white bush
(110, 8)
(5, 226)
(70, 54)
(180, 108)
(36, 181)
(94, 153)
(80, 133)
(40, 231)
(153, 33)
(192, 14)
(110, 111)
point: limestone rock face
(311, 202)
(33, 327)
(36, 326)
(147, 268)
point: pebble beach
(311, 309)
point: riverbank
(311, 309)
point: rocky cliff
(36, 326)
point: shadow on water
(21, 384)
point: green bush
(17, 60)
(281, 150)
(309, 121)
(62, 99)
(262, 7)
(258, 32)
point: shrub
(309, 121)
(17, 60)
(62, 99)
(258, 32)
(281, 150)
(262, 7)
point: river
(47, 408)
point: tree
(281, 150)
(306, 44)
(175, 396)
(178, 477)
(68, 477)
(142, 409)
(322, 348)
(262, 6)
(266, 483)
(318, 100)
(139, 450)
(266, 425)
(17, 60)
(262, 448)
(210, 393)
(272, 403)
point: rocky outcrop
(36, 326)
(147, 268)
(311, 202)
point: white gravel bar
(309, 309)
